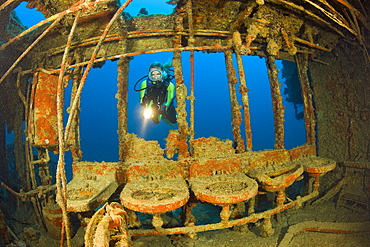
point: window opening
(260, 103)
(28, 17)
(212, 104)
(148, 7)
(145, 128)
(293, 104)
(99, 139)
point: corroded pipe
(236, 118)
(318, 226)
(311, 44)
(277, 102)
(224, 224)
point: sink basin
(85, 195)
(317, 166)
(156, 196)
(224, 188)
(278, 177)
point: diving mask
(155, 75)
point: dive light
(148, 111)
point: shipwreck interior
(187, 192)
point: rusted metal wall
(341, 92)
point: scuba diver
(157, 94)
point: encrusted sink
(156, 196)
(85, 195)
(277, 177)
(224, 188)
(317, 166)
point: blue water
(99, 139)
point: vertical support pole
(245, 100)
(189, 12)
(122, 105)
(181, 92)
(236, 118)
(192, 97)
(277, 102)
(309, 115)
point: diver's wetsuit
(158, 94)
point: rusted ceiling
(276, 27)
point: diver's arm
(142, 91)
(170, 94)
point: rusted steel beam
(245, 100)
(224, 224)
(122, 105)
(236, 118)
(216, 47)
(309, 111)
(28, 49)
(141, 34)
(277, 102)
